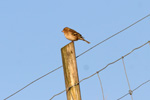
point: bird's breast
(71, 37)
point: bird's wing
(74, 32)
(80, 36)
(77, 34)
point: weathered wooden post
(70, 72)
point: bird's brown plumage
(72, 35)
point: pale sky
(31, 40)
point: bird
(73, 35)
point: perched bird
(72, 35)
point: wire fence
(79, 56)
(134, 89)
(130, 91)
(101, 86)
(104, 69)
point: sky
(31, 42)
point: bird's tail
(81, 38)
(86, 41)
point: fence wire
(134, 89)
(101, 69)
(101, 86)
(130, 91)
(79, 55)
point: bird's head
(65, 29)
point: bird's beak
(62, 31)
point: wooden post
(70, 72)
